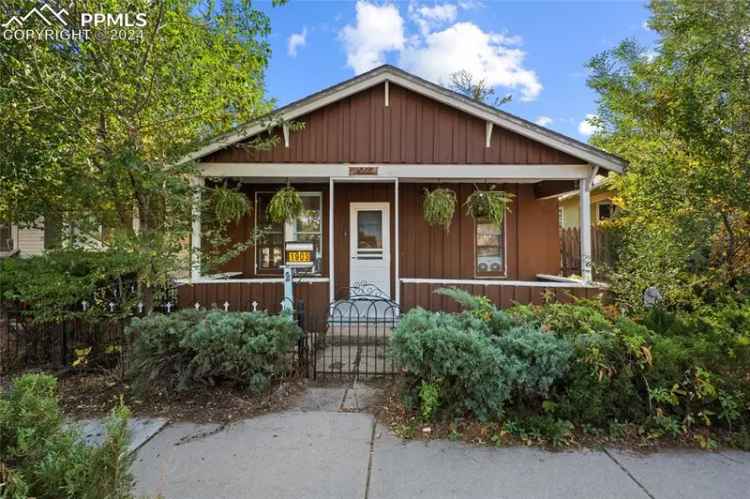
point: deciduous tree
(680, 114)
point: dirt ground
(87, 395)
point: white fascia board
(377, 78)
(390, 171)
(255, 280)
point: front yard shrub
(158, 353)
(52, 286)
(45, 458)
(476, 369)
(188, 347)
(540, 370)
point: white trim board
(253, 280)
(340, 172)
(390, 74)
(497, 282)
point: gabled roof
(384, 73)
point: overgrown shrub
(665, 373)
(52, 286)
(189, 346)
(157, 352)
(670, 372)
(474, 367)
(47, 459)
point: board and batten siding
(532, 239)
(532, 243)
(413, 129)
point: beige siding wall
(569, 207)
(30, 241)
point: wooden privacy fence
(570, 250)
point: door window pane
(490, 249)
(370, 229)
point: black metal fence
(90, 334)
(352, 339)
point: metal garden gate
(353, 339)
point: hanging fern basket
(285, 205)
(229, 204)
(439, 207)
(489, 205)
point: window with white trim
(605, 210)
(8, 237)
(269, 253)
(490, 249)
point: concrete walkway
(326, 449)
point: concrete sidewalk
(325, 454)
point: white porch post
(331, 283)
(195, 240)
(585, 228)
(396, 263)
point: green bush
(476, 368)
(683, 368)
(53, 285)
(47, 459)
(158, 353)
(664, 373)
(187, 347)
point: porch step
(355, 334)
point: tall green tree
(681, 116)
(94, 130)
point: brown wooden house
(369, 147)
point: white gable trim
(389, 74)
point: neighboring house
(369, 147)
(602, 206)
(26, 241)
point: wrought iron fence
(352, 340)
(92, 334)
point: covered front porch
(368, 229)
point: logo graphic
(40, 13)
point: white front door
(370, 246)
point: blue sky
(535, 51)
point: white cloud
(378, 29)
(296, 40)
(585, 127)
(544, 121)
(430, 17)
(464, 46)
(445, 12)
(439, 47)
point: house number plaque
(363, 170)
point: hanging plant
(489, 204)
(439, 207)
(286, 204)
(229, 204)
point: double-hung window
(307, 227)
